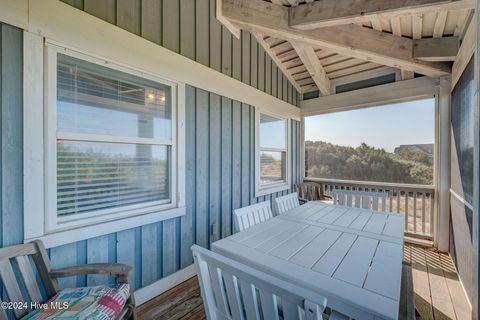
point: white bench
(231, 290)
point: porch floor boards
(437, 292)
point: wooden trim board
(151, 291)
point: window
(391, 143)
(272, 155)
(111, 142)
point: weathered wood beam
(277, 61)
(314, 67)
(350, 40)
(465, 53)
(436, 49)
(419, 88)
(327, 13)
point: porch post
(443, 173)
(476, 175)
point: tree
(366, 163)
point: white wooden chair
(231, 290)
(247, 217)
(285, 203)
(360, 199)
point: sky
(383, 127)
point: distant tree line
(366, 163)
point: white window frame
(273, 187)
(45, 224)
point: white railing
(415, 201)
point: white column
(443, 169)
(476, 174)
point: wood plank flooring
(429, 278)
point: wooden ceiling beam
(277, 61)
(262, 17)
(327, 13)
(314, 67)
(436, 49)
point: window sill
(82, 233)
(272, 189)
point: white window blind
(114, 140)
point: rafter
(350, 40)
(314, 67)
(327, 13)
(277, 61)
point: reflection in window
(462, 120)
(273, 150)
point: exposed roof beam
(350, 40)
(436, 49)
(327, 13)
(314, 67)
(465, 53)
(277, 61)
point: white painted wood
(282, 185)
(62, 237)
(33, 147)
(337, 261)
(286, 203)
(241, 285)
(442, 230)
(40, 134)
(400, 91)
(67, 26)
(247, 217)
(14, 12)
(360, 199)
(149, 292)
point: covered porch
(134, 130)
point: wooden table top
(352, 256)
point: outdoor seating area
(239, 159)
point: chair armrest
(120, 271)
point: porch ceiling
(318, 43)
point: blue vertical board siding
(190, 28)
(11, 117)
(220, 140)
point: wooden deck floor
(437, 292)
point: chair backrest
(310, 191)
(21, 264)
(247, 217)
(285, 203)
(231, 290)
(360, 199)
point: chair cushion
(100, 302)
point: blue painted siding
(190, 28)
(219, 173)
(220, 178)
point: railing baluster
(415, 212)
(406, 210)
(423, 213)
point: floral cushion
(103, 303)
